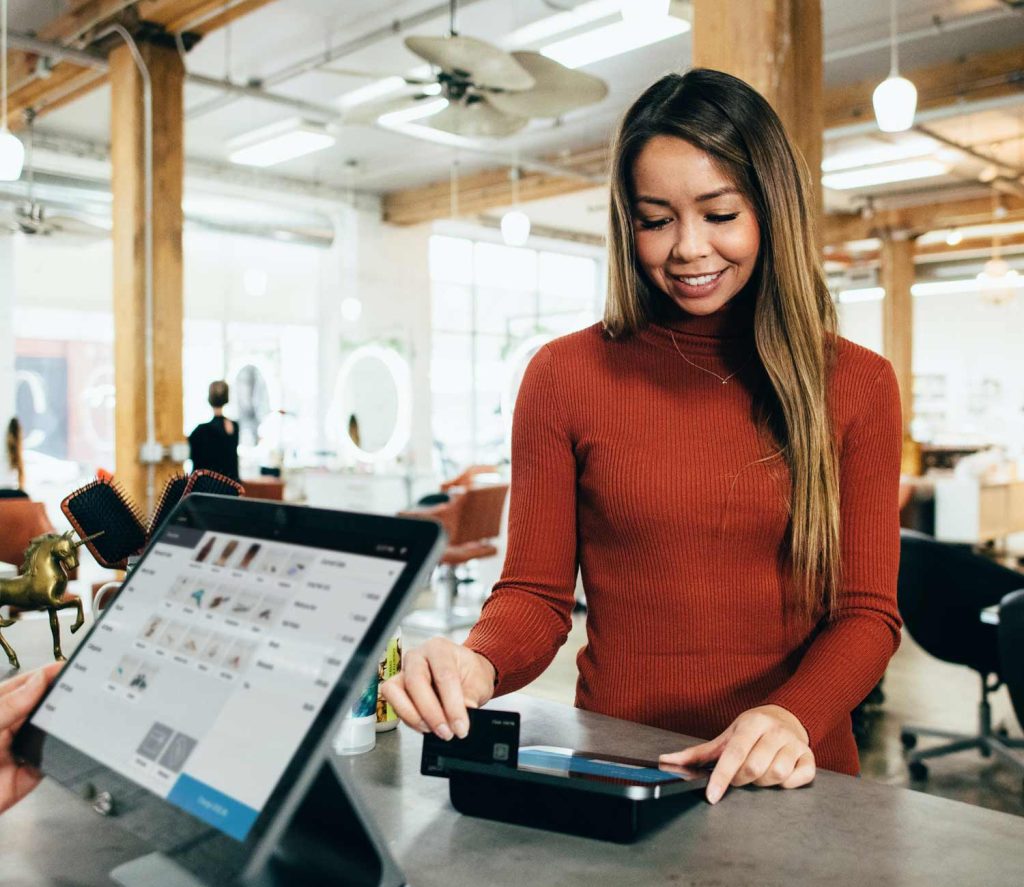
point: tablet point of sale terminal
(205, 699)
(609, 797)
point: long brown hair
(794, 317)
(14, 458)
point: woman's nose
(691, 244)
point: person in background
(12, 464)
(719, 464)
(18, 696)
(214, 445)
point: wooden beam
(914, 220)
(941, 250)
(897, 276)
(67, 80)
(128, 187)
(976, 76)
(476, 193)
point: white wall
(61, 288)
(968, 364)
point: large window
(492, 307)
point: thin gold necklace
(697, 366)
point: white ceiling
(281, 34)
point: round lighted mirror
(370, 419)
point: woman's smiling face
(696, 234)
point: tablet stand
(327, 840)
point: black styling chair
(942, 590)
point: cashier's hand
(17, 696)
(765, 746)
(438, 681)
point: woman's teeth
(697, 281)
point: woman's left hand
(765, 746)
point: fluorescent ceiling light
(429, 134)
(883, 175)
(416, 112)
(279, 142)
(871, 154)
(611, 40)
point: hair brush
(174, 491)
(102, 511)
(102, 507)
(204, 481)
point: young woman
(12, 469)
(718, 463)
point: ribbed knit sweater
(648, 475)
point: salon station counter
(839, 831)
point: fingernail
(444, 731)
(461, 728)
(714, 794)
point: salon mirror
(370, 418)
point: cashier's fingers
(393, 690)
(803, 773)
(419, 684)
(696, 755)
(48, 671)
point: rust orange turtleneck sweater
(642, 471)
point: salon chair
(472, 521)
(942, 590)
(21, 520)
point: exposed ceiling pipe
(333, 53)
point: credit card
(493, 738)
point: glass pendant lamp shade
(515, 227)
(895, 101)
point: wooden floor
(919, 690)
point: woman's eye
(649, 224)
(723, 217)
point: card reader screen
(582, 765)
(213, 662)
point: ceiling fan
(489, 92)
(30, 216)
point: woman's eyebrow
(718, 192)
(657, 201)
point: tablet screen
(574, 764)
(214, 661)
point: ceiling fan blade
(559, 89)
(475, 60)
(475, 120)
(367, 114)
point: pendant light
(12, 152)
(515, 224)
(895, 98)
(998, 280)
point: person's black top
(214, 449)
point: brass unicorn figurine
(48, 561)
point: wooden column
(776, 47)
(897, 260)
(127, 152)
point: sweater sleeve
(849, 654)
(529, 613)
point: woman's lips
(695, 286)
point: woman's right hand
(438, 682)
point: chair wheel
(985, 752)
(918, 771)
(909, 740)
(1002, 732)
